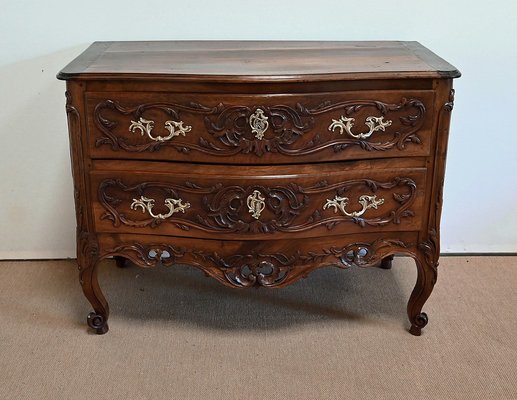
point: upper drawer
(260, 129)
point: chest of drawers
(258, 162)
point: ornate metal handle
(259, 123)
(145, 126)
(174, 206)
(374, 123)
(339, 203)
(256, 204)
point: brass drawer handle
(259, 123)
(339, 203)
(256, 204)
(174, 206)
(145, 126)
(374, 123)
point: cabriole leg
(426, 279)
(88, 260)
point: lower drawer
(256, 203)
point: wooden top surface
(250, 61)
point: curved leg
(386, 262)
(427, 274)
(120, 261)
(98, 319)
(88, 259)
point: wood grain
(258, 61)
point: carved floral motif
(430, 247)
(260, 269)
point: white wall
(37, 38)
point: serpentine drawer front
(213, 202)
(260, 129)
(258, 162)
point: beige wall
(38, 38)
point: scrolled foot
(98, 323)
(419, 322)
(386, 262)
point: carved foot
(386, 262)
(419, 322)
(120, 261)
(98, 323)
(427, 266)
(88, 260)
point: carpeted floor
(175, 334)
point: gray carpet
(175, 334)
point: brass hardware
(339, 203)
(174, 206)
(145, 126)
(259, 123)
(374, 123)
(256, 204)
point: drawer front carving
(243, 207)
(260, 129)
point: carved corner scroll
(429, 247)
(449, 105)
(74, 132)
(235, 129)
(87, 244)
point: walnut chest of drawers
(258, 162)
